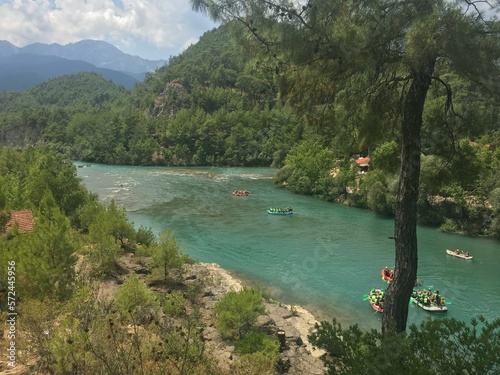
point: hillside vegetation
(218, 105)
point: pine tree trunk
(397, 298)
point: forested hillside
(73, 92)
(221, 103)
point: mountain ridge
(22, 71)
(96, 52)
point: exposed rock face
(19, 136)
(472, 216)
(170, 101)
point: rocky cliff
(20, 136)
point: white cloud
(149, 28)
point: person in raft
(377, 298)
(388, 273)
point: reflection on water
(325, 256)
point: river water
(324, 257)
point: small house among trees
(23, 219)
(363, 163)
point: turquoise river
(324, 257)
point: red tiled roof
(23, 218)
(363, 162)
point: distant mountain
(23, 67)
(95, 52)
(7, 49)
(21, 71)
(98, 53)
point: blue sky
(152, 29)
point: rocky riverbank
(294, 323)
(291, 324)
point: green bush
(167, 255)
(235, 314)
(449, 226)
(104, 249)
(135, 299)
(174, 303)
(254, 364)
(386, 157)
(145, 236)
(257, 342)
(299, 183)
(281, 177)
(143, 251)
(376, 198)
(441, 346)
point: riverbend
(324, 257)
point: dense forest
(217, 104)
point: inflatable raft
(457, 253)
(375, 298)
(280, 211)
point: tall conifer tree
(360, 53)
